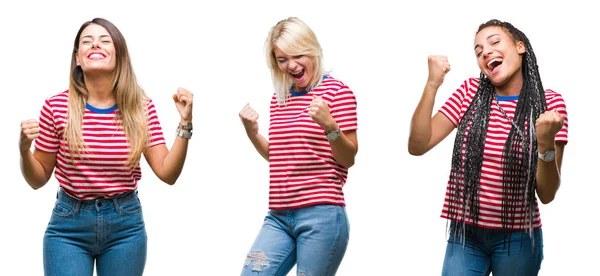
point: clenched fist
(319, 112)
(547, 125)
(249, 118)
(30, 130)
(438, 68)
(184, 101)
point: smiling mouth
(297, 75)
(494, 63)
(96, 56)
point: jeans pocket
(62, 210)
(132, 206)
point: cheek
(282, 66)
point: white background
(206, 223)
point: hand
(319, 112)
(29, 131)
(184, 100)
(438, 68)
(249, 118)
(547, 125)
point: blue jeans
(314, 237)
(486, 252)
(109, 231)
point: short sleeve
(343, 109)
(454, 107)
(156, 133)
(556, 102)
(47, 140)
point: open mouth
(298, 75)
(96, 56)
(494, 64)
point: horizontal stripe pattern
(490, 197)
(100, 171)
(303, 171)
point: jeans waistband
(101, 203)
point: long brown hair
(128, 94)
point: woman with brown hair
(94, 135)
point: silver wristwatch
(333, 135)
(185, 134)
(548, 156)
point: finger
(25, 122)
(253, 117)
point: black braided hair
(519, 154)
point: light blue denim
(315, 238)
(485, 251)
(110, 232)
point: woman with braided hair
(508, 148)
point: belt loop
(77, 206)
(116, 204)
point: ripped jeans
(315, 238)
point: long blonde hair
(293, 37)
(128, 94)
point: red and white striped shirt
(100, 172)
(490, 195)
(303, 171)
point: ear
(520, 47)
(77, 59)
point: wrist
(432, 85)
(185, 122)
(544, 146)
(333, 126)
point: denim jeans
(108, 231)
(485, 251)
(315, 238)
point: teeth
(96, 56)
(493, 60)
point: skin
(96, 57)
(344, 148)
(489, 44)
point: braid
(519, 153)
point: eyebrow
(486, 39)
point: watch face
(332, 135)
(549, 156)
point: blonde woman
(94, 135)
(312, 143)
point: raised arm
(167, 165)
(249, 118)
(427, 131)
(548, 171)
(36, 168)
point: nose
(487, 51)
(95, 45)
(292, 64)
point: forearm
(260, 144)
(420, 129)
(548, 177)
(344, 150)
(174, 161)
(32, 170)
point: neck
(100, 94)
(512, 87)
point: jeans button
(99, 203)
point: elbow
(415, 148)
(415, 151)
(169, 180)
(547, 199)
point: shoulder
(554, 99)
(57, 102)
